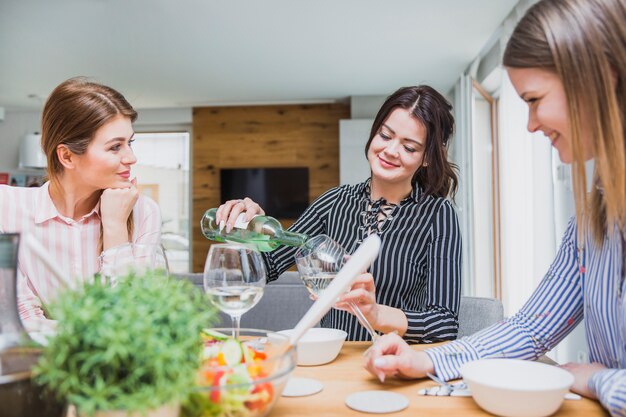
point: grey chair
(285, 301)
(283, 304)
(476, 313)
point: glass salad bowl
(240, 377)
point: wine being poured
(265, 233)
(318, 261)
(316, 284)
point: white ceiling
(168, 53)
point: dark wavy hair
(438, 176)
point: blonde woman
(567, 60)
(90, 204)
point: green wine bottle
(263, 232)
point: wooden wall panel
(261, 136)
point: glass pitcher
(19, 396)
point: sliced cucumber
(248, 354)
(232, 351)
(213, 335)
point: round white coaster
(377, 402)
(300, 387)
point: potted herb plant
(129, 349)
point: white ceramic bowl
(318, 345)
(517, 388)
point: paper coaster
(377, 402)
(300, 387)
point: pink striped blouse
(72, 243)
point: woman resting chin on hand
(89, 205)
(116, 205)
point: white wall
(366, 107)
(353, 135)
(353, 165)
(16, 124)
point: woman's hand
(363, 294)
(116, 204)
(392, 356)
(582, 374)
(228, 212)
(383, 318)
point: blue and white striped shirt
(419, 266)
(568, 293)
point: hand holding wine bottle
(243, 221)
(227, 214)
(263, 232)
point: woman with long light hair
(567, 60)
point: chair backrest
(476, 313)
(285, 301)
(283, 304)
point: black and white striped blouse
(419, 266)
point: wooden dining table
(346, 375)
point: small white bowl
(517, 388)
(318, 345)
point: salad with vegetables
(230, 379)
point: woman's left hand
(582, 374)
(116, 204)
(363, 294)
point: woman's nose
(129, 157)
(533, 123)
(392, 147)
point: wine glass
(234, 277)
(318, 262)
(133, 258)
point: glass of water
(318, 262)
(234, 278)
(133, 258)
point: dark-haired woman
(414, 286)
(91, 203)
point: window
(162, 172)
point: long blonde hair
(584, 43)
(73, 113)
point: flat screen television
(282, 192)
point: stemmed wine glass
(135, 258)
(234, 277)
(318, 261)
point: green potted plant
(129, 349)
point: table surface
(346, 375)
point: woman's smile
(386, 164)
(125, 174)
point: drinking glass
(234, 278)
(133, 258)
(318, 262)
